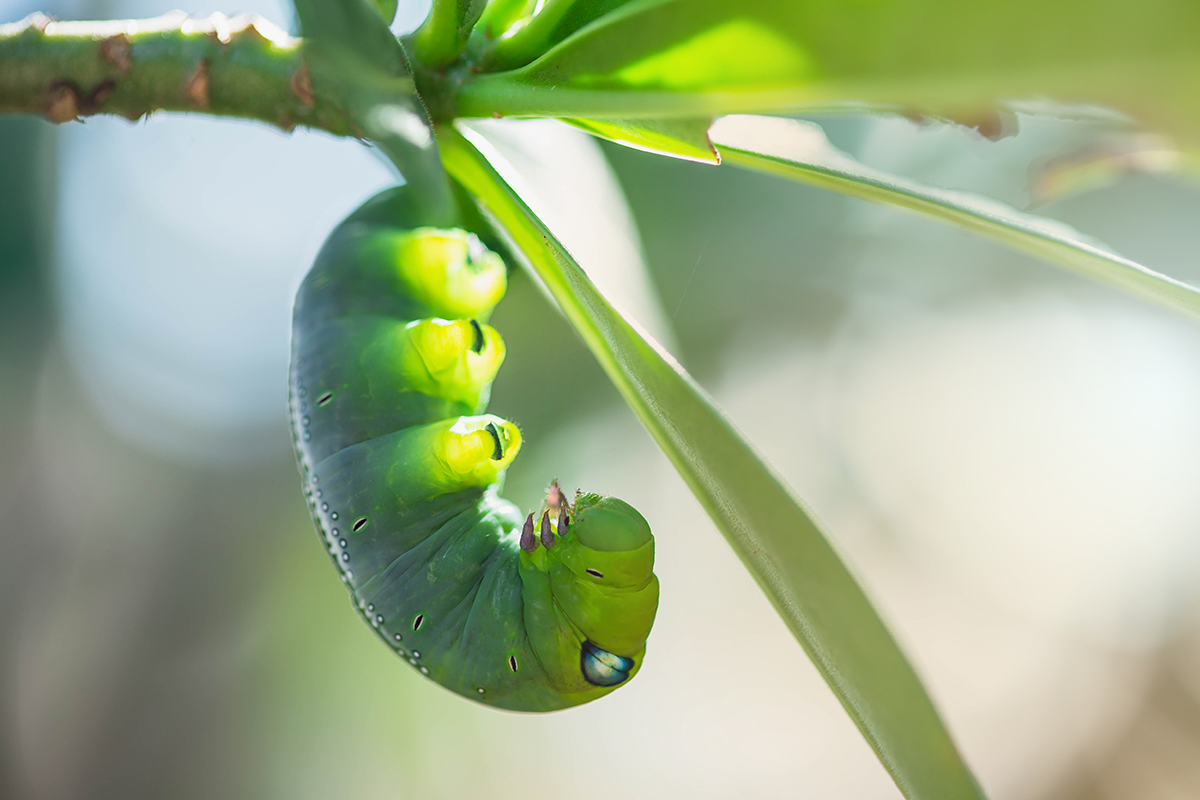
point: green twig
(238, 67)
(444, 33)
(526, 43)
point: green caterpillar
(392, 365)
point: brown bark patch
(66, 101)
(63, 102)
(995, 124)
(93, 101)
(302, 86)
(115, 50)
(196, 88)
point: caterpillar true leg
(392, 365)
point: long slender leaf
(800, 151)
(695, 58)
(679, 138)
(771, 532)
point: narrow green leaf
(800, 151)
(679, 138)
(353, 54)
(770, 531)
(659, 58)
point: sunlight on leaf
(942, 58)
(775, 537)
(729, 56)
(680, 138)
(800, 151)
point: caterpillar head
(602, 540)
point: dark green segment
(348, 371)
(355, 274)
(387, 475)
(392, 206)
(438, 579)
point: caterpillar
(392, 366)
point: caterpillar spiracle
(392, 366)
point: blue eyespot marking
(602, 668)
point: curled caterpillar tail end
(451, 272)
(590, 593)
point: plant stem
(444, 33)
(240, 67)
(532, 39)
(519, 94)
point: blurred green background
(1007, 455)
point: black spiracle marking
(324, 399)
(477, 345)
(595, 573)
(359, 524)
(498, 449)
(417, 622)
(512, 663)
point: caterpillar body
(392, 365)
